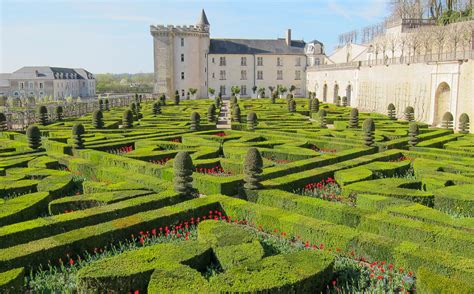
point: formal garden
(294, 196)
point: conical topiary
(183, 171)
(369, 129)
(464, 124)
(344, 101)
(59, 113)
(274, 97)
(391, 112)
(97, 119)
(413, 132)
(251, 121)
(195, 121)
(252, 169)
(315, 105)
(354, 119)
(447, 121)
(43, 115)
(176, 98)
(236, 113)
(163, 100)
(233, 100)
(34, 137)
(127, 119)
(77, 132)
(409, 113)
(338, 101)
(218, 101)
(322, 118)
(3, 123)
(292, 106)
(101, 105)
(106, 104)
(156, 108)
(211, 113)
(310, 103)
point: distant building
(41, 81)
(185, 57)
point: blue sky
(113, 35)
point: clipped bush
(176, 98)
(97, 119)
(236, 113)
(409, 113)
(354, 118)
(464, 123)
(251, 121)
(43, 115)
(274, 97)
(211, 113)
(163, 99)
(3, 122)
(59, 113)
(156, 108)
(106, 104)
(369, 129)
(195, 121)
(447, 121)
(344, 101)
(183, 170)
(252, 169)
(292, 105)
(127, 119)
(391, 112)
(322, 118)
(77, 132)
(34, 137)
(218, 101)
(315, 105)
(338, 101)
(101, 105)
(413, 132)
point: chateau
(404, 62)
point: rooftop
(248, 46)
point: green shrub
(292, 105)
(43, 115)
(3, 122)
(369, 129)
(183, 170)
(236, 113)
(156, 108)
(252, 169)
(77, 132)
(322, 118)
(413, 132)
(354, 118)
(34, 137)
(59, 113)
(97, 119)
(211, 113)
(391, 112)
(163, 100)
(251, 121)
(176, 98)
(106, 104)
(195, 121)
(409, 113)
(315, 105)
(464, 124)
(11, 281)
(344, 101)
(447, 121)
(127, 119)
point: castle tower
(180, 57)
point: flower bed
(217, 171)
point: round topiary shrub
(369, 129)
(409, 113)
(156, 108)
(43, 115)
(211, 113)
(447, 121)
(97, 119)
(391, 112)
(3, 122)
(322, 118)
(354, 118)
(413, 132)
(338, 101)
(77, 132)
(236, 113)
(251, 121)
(176, 98)
(464, 124)
(195, 121)
(344, 101)
(315, 105)
(59, 113)
(252, 169)
(34, 137)
(163, 100)
(127, 119)
(292, 106)
(183, 170)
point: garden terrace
(328, 209)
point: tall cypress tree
(43, 115)
(127, 119)
(97, 119)
(33, 135)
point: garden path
(223, 122)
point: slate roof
(49, 73)
(246, 46)
(203, 19)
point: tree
(413, 132)
(447, 121)
(292, 105)
(127, 119)
(338, 101)
(77, 132)
(251, 121)
(252, 169)
(254, 89)
(34, 137)
(391, 111)
(101, 104)
(354, 118)
(218, 101)
(107, 106)
(43, 115)
(369, 129)
(59, 113)
(235, 90)
(315, 105)
(322, 118)
(163, 99)
(464, 124)
(274, 97)
(97, 119)
(261, 92)
(344, 101)
(236, 113)
(183, 170)
(176, 98)
(211, 113)
(193, 91)
(211, 91)
(195, 121)
(156, 108)
(3, 122)
(292, 88)
(409, 113)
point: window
(182, 57)
(260, 61)
(243, 90)
(182, 75)
(222, 75)
(182, 92)
(298, 75)
(31, 85)
(243, 61)
(279, 75)
(22, 85)
(298, 61)
(279, 61)
(213, 75)
(317, 62)
(222, 61)
(260, 75)
(213, 61)
(243, 74)
(222, 90)
(182, 42)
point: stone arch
(349, 94)
(325, 92)
(336, 92)
(442, 102)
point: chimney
(288, 37)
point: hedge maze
(296, 196)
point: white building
(186, 57)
